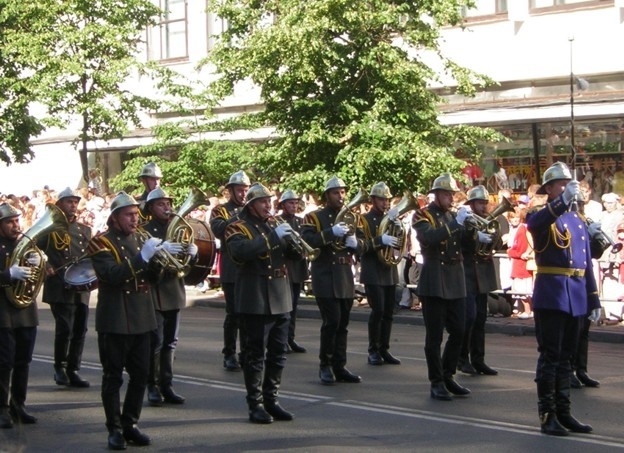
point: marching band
(139, 263)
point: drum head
(81, 276)
(207, 250)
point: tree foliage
(346, 84)
(77, 56)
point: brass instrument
(179, 231)
(350, 218)
(27, 254)
(390, 255)
(299, 244)
(601, 241)
(489, 225)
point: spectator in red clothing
(520, 250)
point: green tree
(79, 55)
(346, 84)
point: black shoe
(467, 368)
(344, 375)
(575, 383)
(136, 437)
(389, 358)
(154, 396)
(482, 368)
(439, 392)
(60, 376)
(116, 440)
(6, 421)
(327, 375)
(585, 379)
(296, 347)
(456, 389)
(171, 397)
(550, 425)
(259, 415)
(278, 412)
(230, 363)
(374, 358)
(19, 414)
(571, 423)
(76, 381)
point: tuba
(180, 231)
(350, 218)
(489, 225)
(389, 255)
(27, 254)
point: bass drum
(81, 276)
(207, 250)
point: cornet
(298, 243)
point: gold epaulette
(312, 219)
(235, 228)
(100, 243)
(422, 215)
(219, 211)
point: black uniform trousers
(16, 350)
(381, 300)
(557, 340)
(473, 345)
(166, 334)
(335, 320)
(439, 314)
(71, 323)
(132, 352)
(296, 294)
(231, 324)
(264, 333)
(579, 361)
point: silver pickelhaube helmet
(67, 193)
(256, 191)
(556, 171)
(380, 190)
(334, 183)
(289, 194)
(7, 211)
(478, 193)
(445, 182)
(239, 178)
(121, 201)
(151, 170)
(156, 194)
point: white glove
(594, 228)
(388, 240)
(19, 272)
(340, 229)
(595, 315)
(34, 259)
(151, 246)
(572, 190)
(462, 214)
(393, 213)
(351, 242)
(192, 250)
(174, 248)
(484, 238)
(283, 229)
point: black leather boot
(270, 390)
(76, 381)
(389, 358)
(562, 401)
(326, 374)
(19, 386)
(60, 375)
(253, 384)
(6, 421)
(166, 379)
(586, 380)
(154, 396)
(549, 424)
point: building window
(216, 26)
(534, 4)
(486, 8)
(169, 39)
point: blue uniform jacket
(561, 240)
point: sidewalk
(495, 324)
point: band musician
(69, 307)
(263, 301)
(380, 279)
(220, 216)
(332, 279)
(169, 297)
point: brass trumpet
(298, 243)
(489, 225)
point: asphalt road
(389, 411)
